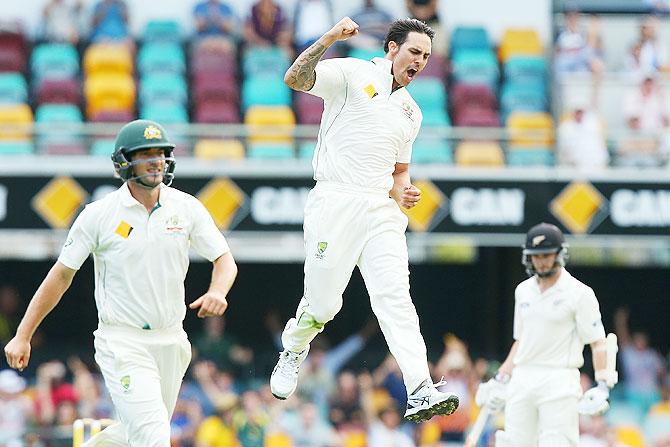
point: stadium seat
(306, 149)
(429, 93)
(475, 116)
(308, 108)
(103, 147)
(366, 54)
(217, 112)
(212, 85)
(432, 150)
(229, 149)
(264, 61)
(265, 91)
(112, 116)
(162, 31)
(59, 91)
(54, 61)
(58, 139)
(470, 38)
(270, 151)
(525, 97)
(163, 88)
(165, 113)
(16, 148)
(259, 118)
(161, 58)
(525, 69)
(13, 88)
(436, 68)
(103, 58)
(15, 114)
(435, 117)
(109, 92)
(519, 42)
(531, 129)
(530, 157)
(472, 95)
(479, 153)
(13, 49)
(475, 67)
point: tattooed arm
(301, 75)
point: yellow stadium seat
(12, 117)
(108, 58)
(354, 438)
(531, 129)
(230, 149)
(278, 440)
(479, 153)
(519, 42)
(262, 119)
(630, 436)
(109, 92)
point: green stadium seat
(58, 113)
(265, 91)
(163, 88)
(366, 54)
(265, 61)
(530, 157)
(165, 113)
(429, 94)
(432, 150)
(13, 88)
(475, 67)
(56, 139)
(525, 69)
(54, 61)
(103, 147)
(435, 118)
(306, 149)
(270, 151)
(526, 97)
(161, 58)
(162, 31)
(470, 38)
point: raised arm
(46, 297)
(301, 75)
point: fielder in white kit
(352, 216)
(538, 385)
(139, 236)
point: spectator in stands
(581, 140)
(388, 376)
(215, 385)
(576, 51)
(52, 390)
(15, 408)
(312, 19)
(633, 63)
(373, 24)
(217, 430)
(346, 409)
(215, 25)
(110, 22)
(653, 52)
(385, 429)
(94, 400)
(307, 428)
(60, 21)
(642, 365)
(222, 349)
(251, 420)
(427, 11)
(647, 114)
(267, 26)
(185, 421)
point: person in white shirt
(538, 385)
(353, 216)
(581, 142)
(140, 237)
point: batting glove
(594, 401)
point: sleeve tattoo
(301, 74)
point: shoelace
(440, 383)
(292, 363)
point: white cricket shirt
(141, 258)
(365, 128)
(553, 327)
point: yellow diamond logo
(430, 210)
(223, 199)
(580, 207)
(58, 202)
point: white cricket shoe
(284, 378)
(428, 401)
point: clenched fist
(343, 29)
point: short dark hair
(400, 28)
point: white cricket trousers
(143, 371)
(346, 226)
(541, 408)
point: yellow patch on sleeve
(123, 229)
(370, 90)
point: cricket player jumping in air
(538, 385)
(139, 236)
(352, 216)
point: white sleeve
(330, 78)
(587, 317)
(205, 237)
(81, 240)
(516, 332)
(405, 152)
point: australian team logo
(125, 383)
(173, 225)
(407, 110)
(152, 133)
(320, 249)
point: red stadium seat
(59, 91)
(213, 62)
(436, 67)
(211, 85)
(217, 112)
(472, 95)
(308, 108)
(476, 117)
(113, 116)
(13, 49)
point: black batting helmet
(544, 238)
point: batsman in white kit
(538, 384)
(140, 237)
(352, 215)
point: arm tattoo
(301, 75)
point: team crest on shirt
(320, 249)
(125, 383)
(174, 225)
(407, 110)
